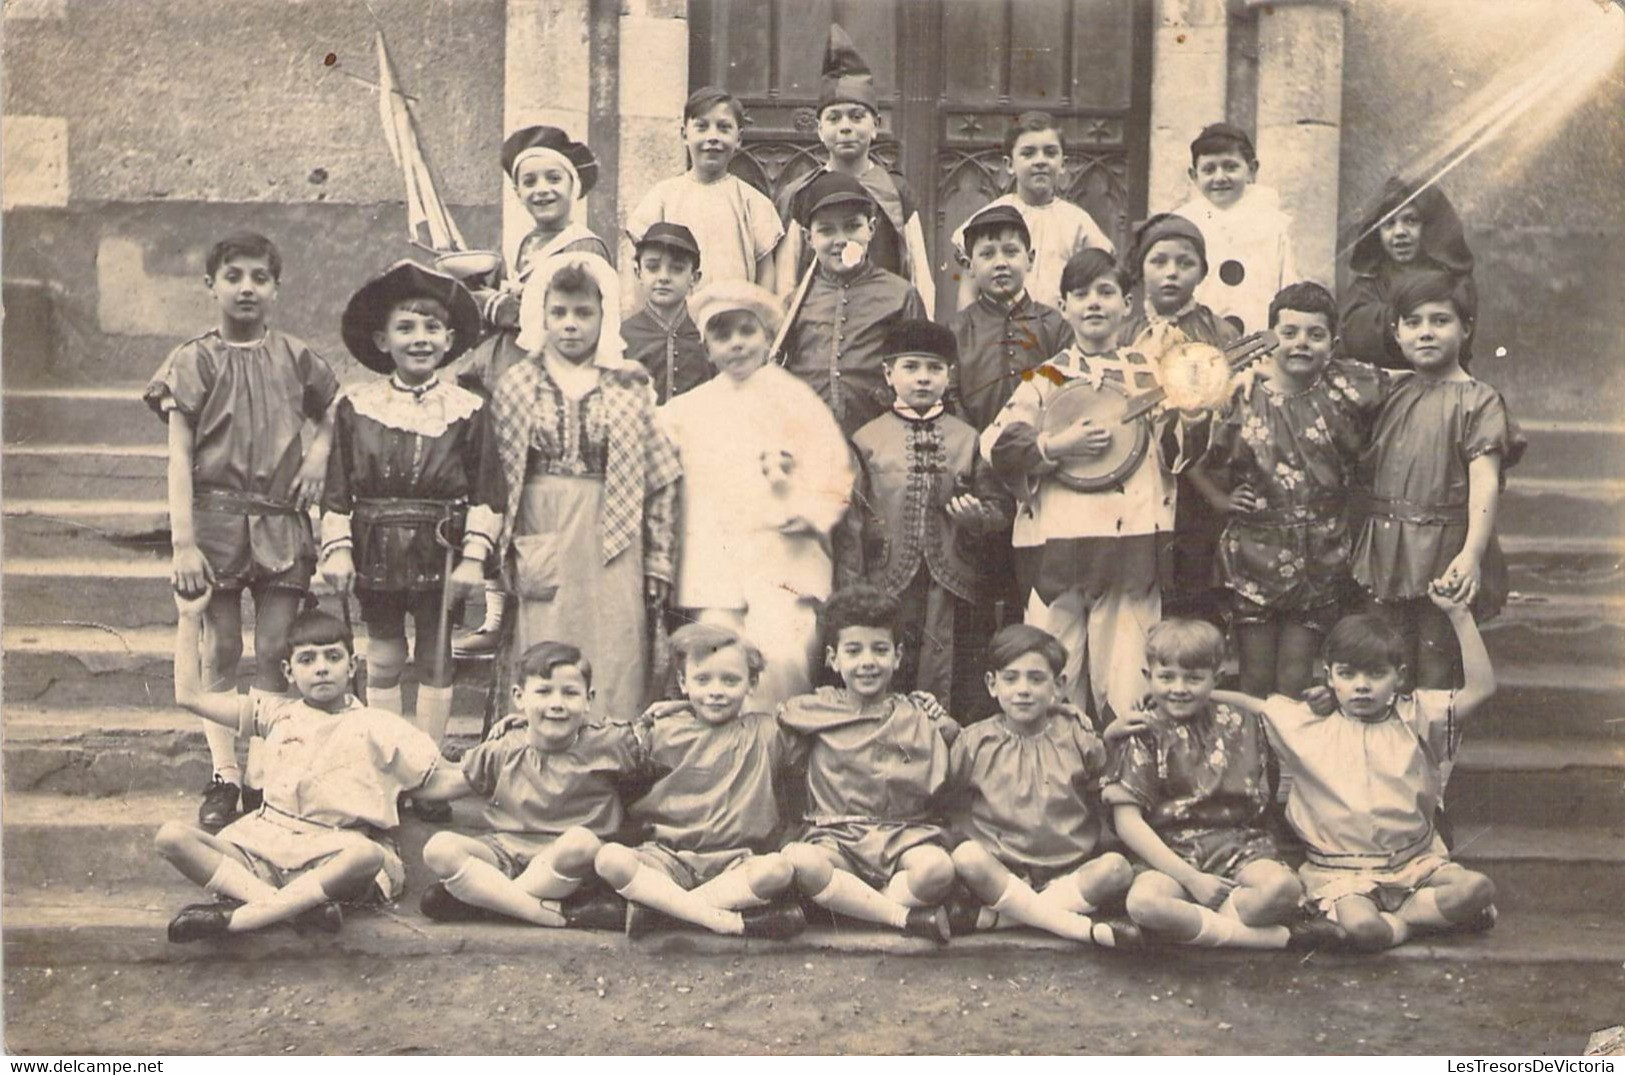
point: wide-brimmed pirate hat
(370, 306)
(576, 154)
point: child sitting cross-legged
(875, 760)
(332, 769)
(551, 781)
(1189, 792)
(1366, 782)
(711, 815)
(1031, 777)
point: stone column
(653, 87)
(1300, 109)
(1189, 69)
(546, 79)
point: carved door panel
(950, 75)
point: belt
(1317, 510)
(241, 503)
(1408, 511)
(401, 510)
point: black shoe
(642, 921)
(1314, 933)
(594, 910)
(253, 799)
(1124, 933)
(1482, 922)
(325, 917)
(438, 812)
(928, 922)
(219, 807)
(775, 921)
(963, 914)
(441, 906)
(200, 920)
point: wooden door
(950, 75)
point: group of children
(870, 504)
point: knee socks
(654, 889)
(1024, 905)
(233, 879)
(847, 895)
(434, 711)
(731, 891)
(1224, 929)
(483, 885)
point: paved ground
(609, 998)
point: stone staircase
(96, 754)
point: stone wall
(135, 134)
(1542, 204)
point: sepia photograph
(804, 528)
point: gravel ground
(686, 1003)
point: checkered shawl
(640, 463)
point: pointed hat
(845, 77)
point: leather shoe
(930, 923)
(775, 921)
(642, 921)
(200, 920)
(594, 910)
(441, 906)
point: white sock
(496, 603)
(847, 895)
(731, 891)
(1400, 927)
(231, 878)
(544, 882)
(1063, 894)
(483, 885)
(294, 898)
(223, 749)
(898, 890)
(1231, 932)
(434, 710)
(386, 698)
(1021, 903)
(654, 889)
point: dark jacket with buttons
(996, 346)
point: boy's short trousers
(872, 849)
(384, 612)
(278, 848)
(1220, 852)
(690, 869)
(223, 538)
(1241, 611)
(513, 851)
(1388, 889)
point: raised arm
(445, 782)
(1477, 672)
(1237, 700)
(222, 707)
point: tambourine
(1190, 376)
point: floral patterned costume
(1297, 451)
(1202, 785)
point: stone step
(111, 414)
(128, 927)
(61, 846)
(1583, 566)
(1559, 449)
(118, 593)
(108, 519)
(1554, 701)
(1578, 629)
(89, 471)
(1559, 507)
(45, 536)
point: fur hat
(369, 307)
(921, 337)
(580, 158)
(845, 76)
(726, 296)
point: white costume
(1249, 254)
(756, 453)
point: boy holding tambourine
(1095, 501)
